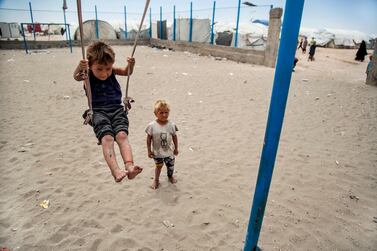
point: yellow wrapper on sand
(45, 204)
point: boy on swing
(109, 120)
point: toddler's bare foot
(172, 180)
(119, 176)
(133, 171)
(155, 184)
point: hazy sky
(340, 14)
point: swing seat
(127, 103)
(86, 118)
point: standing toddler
(162, 142)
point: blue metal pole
(190, 34)
(23, 35)
(97, 29)
(65, 25)
(213, 22)
(150, 22)
(161, 37)
(125, 22)
(69, 37)
(283, 73)
(174, 23)
(67, 31)
(32, 20)
(238, 20)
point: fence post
(125, 22)
(97, 29)
(23, 35)
(32, 20)
(150, 22)
(67, 30)
(238, 20)
(190, 32)
(161, 37)
(213, 22)
(69, 38)
(174, 23)
(282, 78)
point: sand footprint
(118, 228)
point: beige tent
(105, 30)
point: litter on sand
(45, 204)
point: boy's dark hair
(100, 52)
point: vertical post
(65, 19)
(190, 34)
(174, 23)
(67, 30)
(213, 22)
(161, 37)
(238, 20)
(125, 22)
(65, 25)
(273, 38)
(32, 20)
(150, 22)
(69, 38)
(282, 78)
(97, 28)
(23, 35)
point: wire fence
(124, 22)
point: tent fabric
(201, 30)
(250, 35)
(10, 30)
(131, 34)
(105, 30)
(337, 37)
(260, 21)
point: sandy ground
(323, 194)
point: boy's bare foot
(133, 171)
(155, 184)
(172, 180)
(119, 176)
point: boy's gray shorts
(109, 121)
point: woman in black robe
(361, 52)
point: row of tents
(250, 35)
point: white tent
(10, 30)
(250, 35)
(105, 30)
(336, 37)
(201, 30)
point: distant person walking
(313, 45)
(361, 52)
(369, 67)
(300, 44)
(304, 45)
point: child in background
(161, 135)
(109, 121)
(370, 65)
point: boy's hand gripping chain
(89, 115)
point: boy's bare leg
(107, 143)
(126, 152)
(156, 181)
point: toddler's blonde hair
(160, 104)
